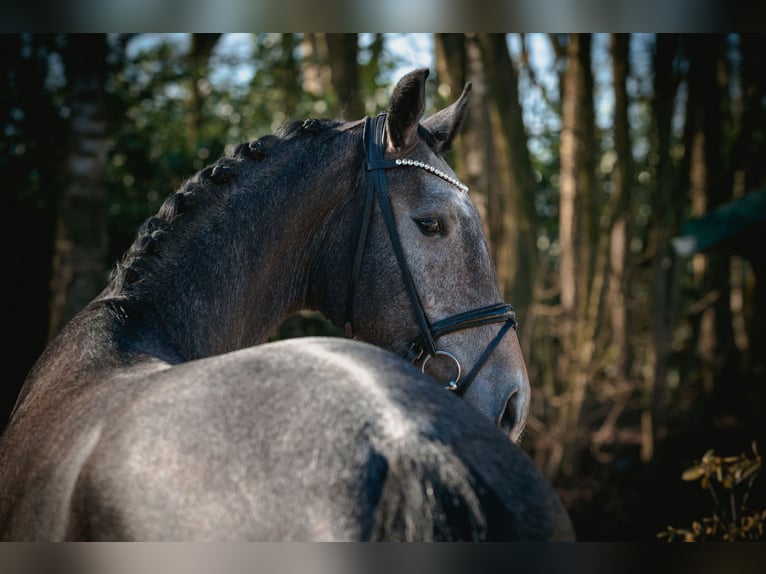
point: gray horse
(159, 414)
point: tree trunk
(343, 53)
(199, 54)
(746, 174)
(80, 245)
(451, 55)
(458, 60)
(314, 67)
(619, 236)
(577, 237)
(516, 250)
(451, 65)
(288, 76)
(706, 176)
(665, 224)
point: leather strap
(376, 175)
(361, 243)
(465, 382)
(497, 313)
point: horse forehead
(424, 187)
(444, 190)
(445, 194)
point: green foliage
(148, 159)
(729, 480)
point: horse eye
(429, 225)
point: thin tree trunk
(576, 239)
(516, 255)
(458, 60)
(664, 226)
(80, 244)
(343, 52)
(707, 191)
(289, 76)
(314, 67)
(748, 174)
(199, 54)
(619, 237)
(451, 64)
(451, 57)
(558, 45)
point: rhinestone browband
(437, 172)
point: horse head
(422, 280)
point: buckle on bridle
(415, 352)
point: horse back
(311, 439)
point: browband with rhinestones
(437, 172)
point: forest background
(621, 178)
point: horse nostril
(508, 419)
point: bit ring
(452, 385)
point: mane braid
(195, 195)
(310, 126)
(198, 193)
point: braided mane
(203, 191)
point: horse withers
(159, 414)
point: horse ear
(408, 102)
(445, 124)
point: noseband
(424, 346)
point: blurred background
(622, 180)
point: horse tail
(427, 490)
(425, 493)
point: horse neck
(226, 273)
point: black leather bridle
(424, 346)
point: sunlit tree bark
(577, 237)
(619, 235)
(315, 70)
